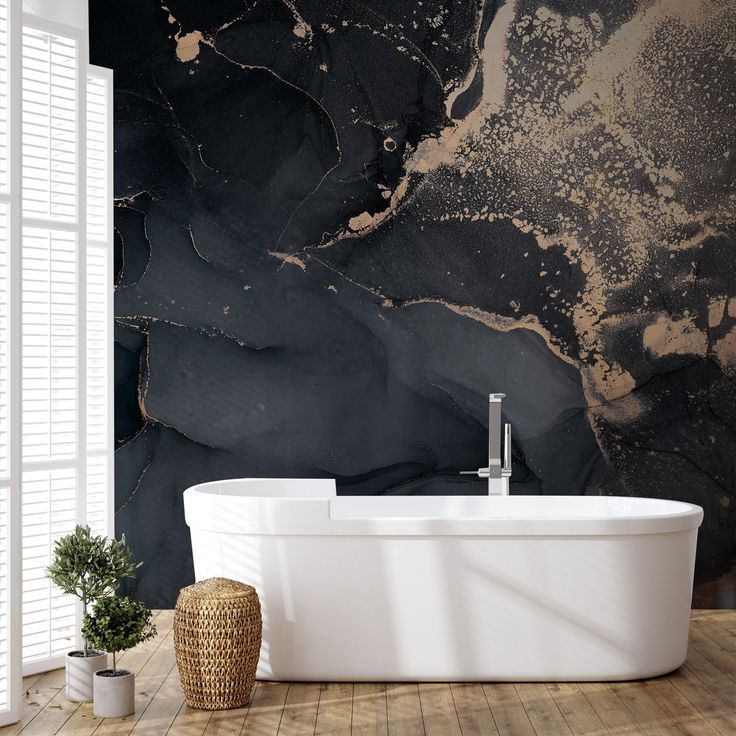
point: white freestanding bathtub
(452, 588)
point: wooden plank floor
(699, 699)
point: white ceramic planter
(79, 672)
(114, 696)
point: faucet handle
(506, 469)
(481, 472)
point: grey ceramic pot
(114, 696)
(79, 672)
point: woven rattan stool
(217, 638)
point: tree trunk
(84, 641)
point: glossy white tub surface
(452, 588)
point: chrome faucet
(498, 474)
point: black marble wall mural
(340, 225)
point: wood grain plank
(189, 722)
(713, 678)
(717, 631)
(229, 722)
(614, 715)
(725, 615)
(649, 717)
(542, 710)
(30, 681)
(578, 713)
(162, 710)
(508, 711)
(473, 711)
(688, 718)
(266, 707)
(300, 710)
(438, 710)
(52, 717)
(35, 699)
(148, 681)
(83, 722)
(335, 712)
(53, 678)
(404, 710)
(370, 715)
(713, 709)
(714, 652)
(730, 621)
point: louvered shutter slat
(4, 110)
(48, 511)
(50, 355)
(97, 137)
(4, 353)
(49, 147)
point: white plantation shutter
(4, 345)
(50, 125)
(49, 417)
(66, 307)
(50, 339)
(4, 97)
(5, 637)
(5, 454)
(49, 510)
(52, 497)
(55, 330)
(10, 684)
(99, 150)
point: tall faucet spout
(499, 461)
(498, 471)
(494, 435)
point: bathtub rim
(312, 513)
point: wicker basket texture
(217, 638)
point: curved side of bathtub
(453, 590)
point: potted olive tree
(87, 567)
(116, 624)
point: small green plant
(117, 624)
(89, 567)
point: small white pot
(114, 696)
(79, 671)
